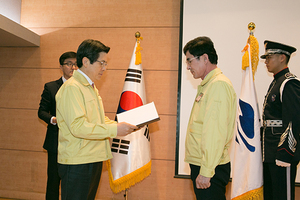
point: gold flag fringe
(138, 55)
(256, 194)
(129, 180)
(254, 51)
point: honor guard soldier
(281, 124)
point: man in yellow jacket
(211, 123)
(84, 130)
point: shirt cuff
(282, 164)
(113, 129)
(206, 172)
(51, 121)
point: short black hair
(91, 49)
(202, 45)
(66, 55)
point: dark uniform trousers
(218, 182)
(273, 184)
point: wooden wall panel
(15, 57)
(161, 87)
(159, 185)
(163, 138)
(22, 88)
(100, 13)
(22, 171)
(31, 166)
(159, 47)
(21, 130)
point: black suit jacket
(46, 110)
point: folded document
(139, 116)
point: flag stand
(126, 194)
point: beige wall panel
(110, 115)
(100, 13)
(110, 87)
(159, 47)
(17, 195)
(23, 176)
(161, 87)
(22, 172)
(22, 88)
(160, 185)
(21, 130)
(163, 138)
(20, 57)
(28, 96)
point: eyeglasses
(103, 63)
(189, 60)
(70, 64)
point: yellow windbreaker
(84, 130)
(211, 124)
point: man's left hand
(202, 182)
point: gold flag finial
(138, 55)
(254, 50)
(251, 27)
(137, 34)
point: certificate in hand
(139, 116)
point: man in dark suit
(47, 112)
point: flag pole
(131, 162)
(251, 27)
(247, 183)
(137, 62)
(126, 194)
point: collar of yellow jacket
(78, 76)
(211, 75)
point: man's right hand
(125, 128)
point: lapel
(59, 82)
